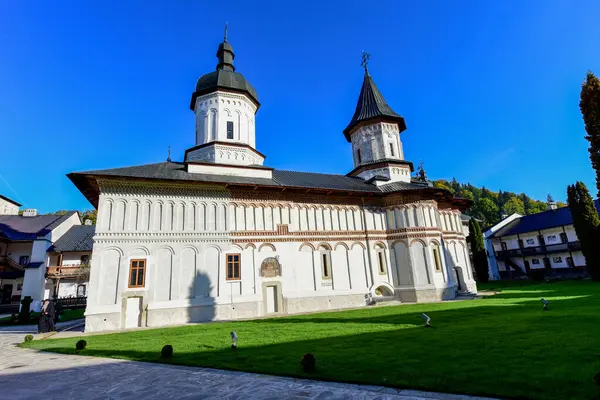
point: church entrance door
(133, 312)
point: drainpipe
(364, 218)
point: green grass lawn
(501, 346)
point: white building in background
(27, 257)
(8, 206)
(221, 236)
(544, 242)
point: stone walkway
(28, 374)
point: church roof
(370, 106)
(175, 171)
(224, 78)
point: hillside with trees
(490, 206)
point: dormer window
(229, 129)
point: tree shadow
(200, 294)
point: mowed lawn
(501, 346)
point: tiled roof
(371, 105)
(17, 227)
(77, 238)
(535, 222)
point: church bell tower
(225, 104)
(374, 132)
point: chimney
(30, 212)
(87, 222)
(552, 205)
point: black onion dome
(224, 78)
(371, 105)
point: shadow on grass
(508, 352)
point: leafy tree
(589, 105)
(587, 226)
(537, 207)
(59, 212)
(514, 205)
(521, 203)
(443, 185)
(465, 194)
(478, 249)
(486, 210)
(92, 215)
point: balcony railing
(538, 250)
(76, 271)
(9, 262)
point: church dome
(224, 78)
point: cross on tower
(365, 61)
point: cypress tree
(587, 226)
(589, 105)
(478, 249)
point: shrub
(80, 345)
(28, 338)
(167, 351)
(308, 362)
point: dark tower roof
(371, 105)
(224, 78)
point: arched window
(436, 257)
(213, 124)
(326, 272)
(381, 261)
(229, 129)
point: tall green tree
(514, 205)
(587, 226)
(478, 249)
(589, 104)
(486, 210)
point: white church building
(221, 236)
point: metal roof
(371, 105)
(281, 178)
(536, 222)
(77, 238)
(18, 227)
(87, 181)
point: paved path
(28, 374)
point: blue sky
(489, 90)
